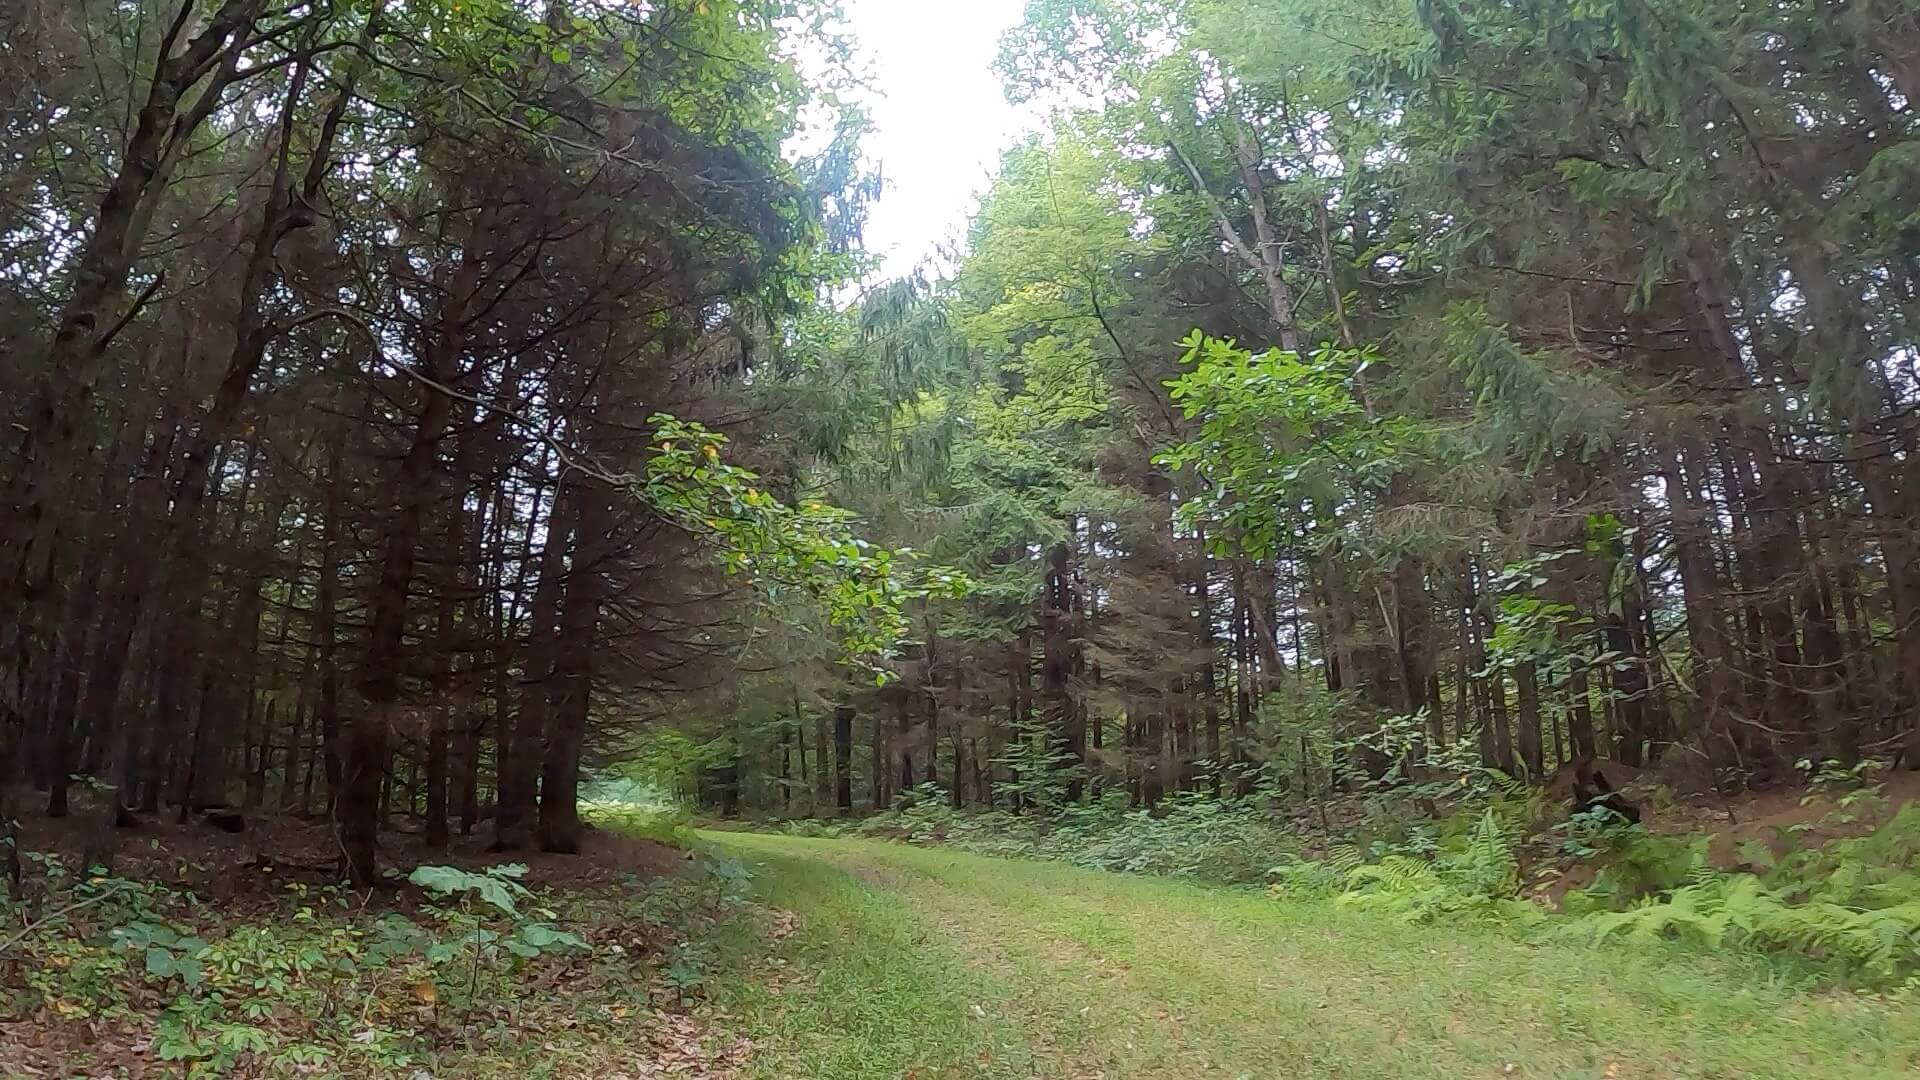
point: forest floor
(922, 963)
(764, 956)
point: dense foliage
(371, 362)
(1359, 394)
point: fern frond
(1344, 859)
(1395, 873)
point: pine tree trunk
(299, 750)
(9, 827)
(365, 739)
(1527, 721)
(843, 758)
(982, 775)
(800, 746)
(438, 833)
(1700, 598)
(904, 702)
(822, 771)
(573, 674)
(786, 769)
(1580, 716)
(513, 817)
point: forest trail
(911, 962)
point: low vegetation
(1842, 912)
(1199, 838)
(931, 942)
(462, 972)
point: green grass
(864, 986)
(931, 963)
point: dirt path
(923, 963)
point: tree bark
(573, 673)
(843, 757)
(514, 815)
(1056, 644)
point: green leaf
(161, 964)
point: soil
(1771, 817)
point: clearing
(914, 962)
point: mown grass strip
(865, 987)
(1140, 977)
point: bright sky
(941, 120)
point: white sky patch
(940, 118)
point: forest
(1459, 461)
(1519, 389)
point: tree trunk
(1700, 598)
(1527, 721)
(843, 757)
(573, 674)
(1580, 716)
(438, 834)
(786, 769)
(366, 738)
(903, 724)
(1056, 643)
(514, 815)
(9, 827)
(822, 772)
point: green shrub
(1195, 836)
(1878, 946)
(277, 995)
(1190, 836)
(811, 827)
(1294, 878)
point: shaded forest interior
(1331, 394)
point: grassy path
(909, 962)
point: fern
(1344, 859)
(1395, 873)
(1701, 875)
(1477, 873)
(1740, 911)
(1487, 867)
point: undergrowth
(458, 979)
(1847, 913)
(649, 820)
(1187, 836)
